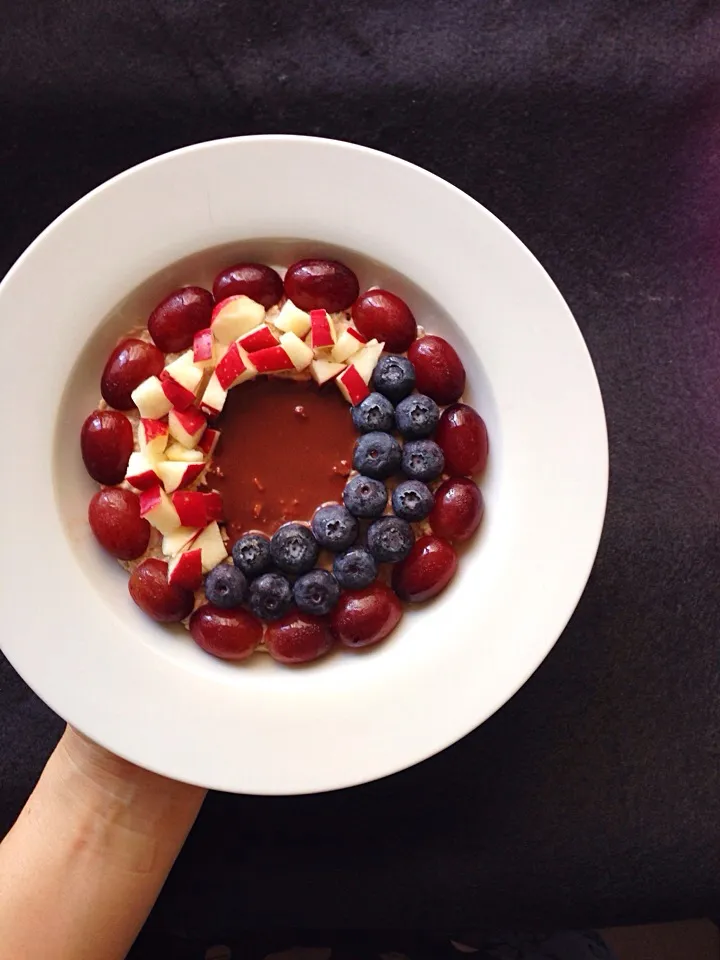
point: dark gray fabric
(592, 128)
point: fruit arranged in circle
(364, 617)
(428, 568)
(458, 509)
(106, 442)
(439, 371)
(284, 518)
(228, 634)
(114, 517)
(462, 434)
(149, 588)
(298, 638)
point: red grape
(229, 634)
(382, 315)
(458, 509)
(106, 442)
(439, 372)
(175, 321)
(428, 568)
(131, 362)
(298, 638)
(254, 280)
(114, 516)
(322, 285)
(149, 588)
(462, 434)
(365, 617)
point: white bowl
(146, 691)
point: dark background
(592, 128)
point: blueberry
(251, 554)
(270, 596)
(365, 497)
(334, 527)
(316, 592)
(412, 500)
(374, 413)
(355, 569)
(390, 539)
(422, 460)
(394, 377)
(417, 416)
(377, 455)
(225, 586)
(293, 548)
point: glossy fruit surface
(384, 316)
(428, 568)
(458, 509)
(175, 321)
(462, 434)
(149, 588)
(439, 372)
(131, 362)
(365, 617)
(255, 280)
(114, 517)
(298, 638)
(321, 285)
(228, 634)
(106, 442)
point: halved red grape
(298, 638)
(149, 588)
(387, 318)
(365, 617)
(428, 568)
(228, 634)
(462, 434)
(458, 509)
(321, 285)
(255, 280)
(106, 442)
(114, 516)
(439, 372)
(131, 362)
(176, 319)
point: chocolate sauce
(285, 447)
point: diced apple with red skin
(208, 442)
(153, 438)
(184, 371)
(173, 543)
(187, 426)
(197, 509)
(299, 352)
(142, 472)
(234, 316)
(235, 367)
(292, 319)
(149, 397)
(204, 349)
(178, 396)
(272, 360)
(213, 400)
(211, 543)
(366, 359)
(348, 344)
(324, 370)
(157, 508)
(257, 339)
(185, 569)
(176, 451)
(352, 386)
(322, 330)
(175, 474)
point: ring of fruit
(243, 496)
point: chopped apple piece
(204, 349)
(173, 543)
(175, 474)
(257, 339)
(185, 569)
(272, 360)
(324, 370)
(187, 426)
(212, 545)
(352, 386)
(208, 442)
(197, 509)
(347, 345)
(299, 352)
(178, 396)
(142, 472)
(185, 372)
(322, 330)
(235, 367)
(153, 438)
(149, 397)
(157, 508)
(292, 319)
(176, 451)
(213, 400)
(365, 359)
(234, 316)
